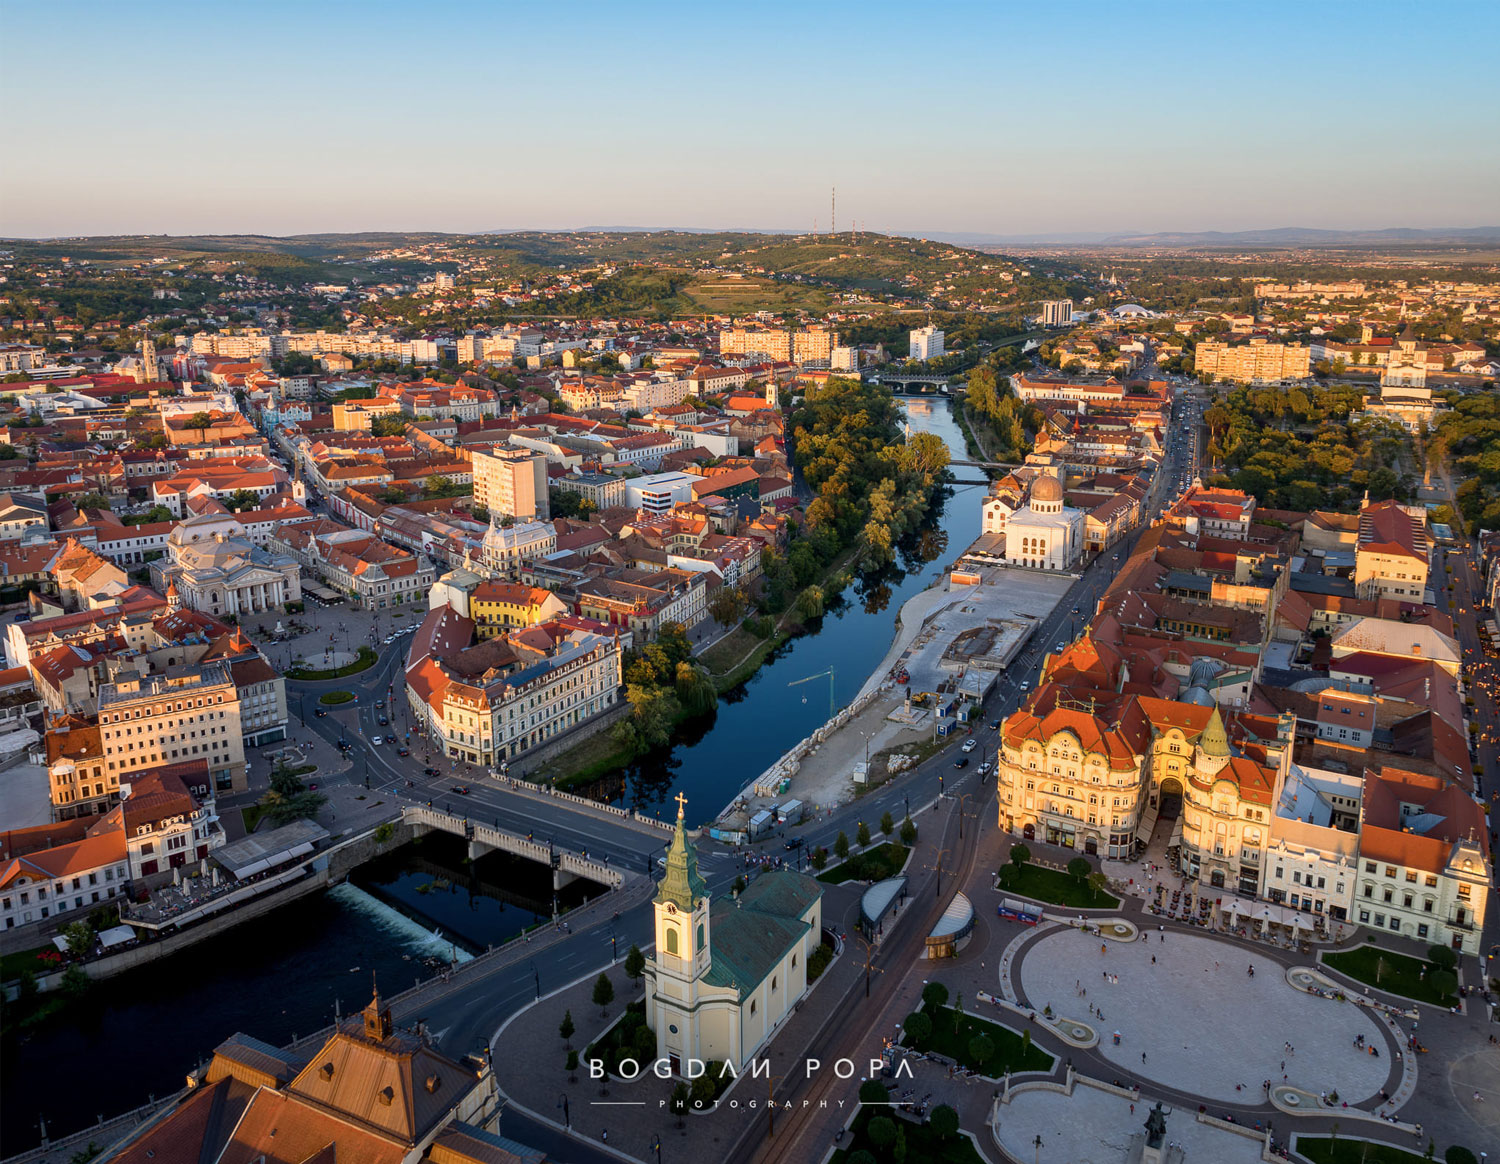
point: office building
(1057, 313)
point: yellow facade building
(1259, 360)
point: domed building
(1045, 533)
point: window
(1395, 923)
(1369, 866)
(1411, 876)
(671, 941)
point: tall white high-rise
(1057, 313)
(926, 343)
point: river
(716, 756)
(137, 1035)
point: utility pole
(833, 211)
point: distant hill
(1286, 236)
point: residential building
(78, 782)
(497, 607)
(492, 702)
(189, 711)
(1259, 361)
(1392, 552)
(926, 343)
(756, 344)
(169, 819)
(1057, 313)
(1424, 860)
(40, 879)
(511, 483)
(262, 692)
(21, 514)
(812, 347)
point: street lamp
(656, 1147)
(938, 884)
(961, 799)
(562, 1102)
(538, 979)
(869, 957)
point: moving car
(403, 751)
(961, 762)
(970, 745)
(376, 741)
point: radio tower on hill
(833, 211)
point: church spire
(682, 885)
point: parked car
(984, 769)
(379, 703)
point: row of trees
(662, 684)
(872, 489)
(1469, 437)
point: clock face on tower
(671, 908)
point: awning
(254, 867)
(116, 936)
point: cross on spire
(681, 804)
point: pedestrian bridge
(566, 866)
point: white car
(376, 741)
(984, 769)
(970, 745)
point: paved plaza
(1202, 1022)
(1095, 1127)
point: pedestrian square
(1203, 1023)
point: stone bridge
(566, 866)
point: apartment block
(512, 483)
(1258, 361)
(188, 712)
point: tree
(819, 858)
(572, 1065)
(981, 1047)
(862, 834)
(908, 833)
(438, 485)
(728, 605)
(873, 1091)
(887, 824)
(944, 1122)
(76, 982)
(934, 995)
(881, 1131)
(810, 602)
(80, 939)
(604, 993)
(1019, 855)
(635, 963)
(1458, 1154)
(91, 501)
(199, 421)
(242, 499)
(1442, 957)
(1097, 882)
(566, 1027)
(681, 1097)
(918, 1027)
(704, 1088)
(1445, 982)
(841, 846)
(861, 1156)
(1078, 868)
(388, 426)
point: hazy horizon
(966, 119)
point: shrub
(1442, 957)
(1458, 1154)
(818, 962)
(873, 1091)
(918, 1027)
(934, 995)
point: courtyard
(1195, 1020)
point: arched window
(700, 935)
(671, 940)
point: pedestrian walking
(1143, 1059)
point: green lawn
(1052, 885)
(251, 816)
(333, 698)
(1342, 1151)
(1011, 1051)
(1396, 973)
(884, 860)
(366, 660)
(13, 965)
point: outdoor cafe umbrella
(1300, 922)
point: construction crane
(832, 704)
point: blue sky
(1004, 118)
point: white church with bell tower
(726, 973)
